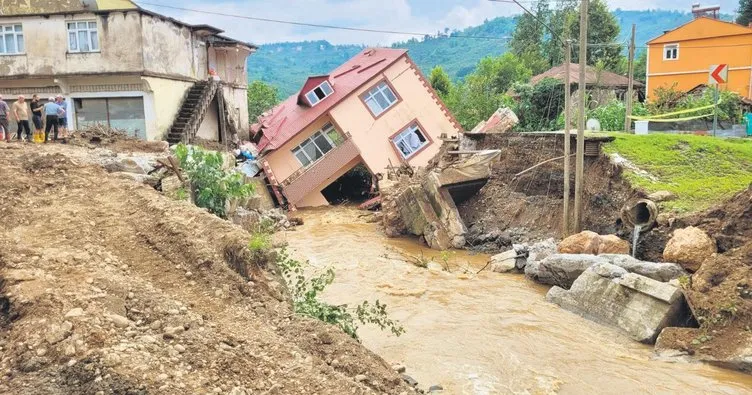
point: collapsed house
(127, 68)
(375, 111)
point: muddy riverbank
(484, 334)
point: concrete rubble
(638, 305)
(502, 121)
(424, 204)
(563, 269)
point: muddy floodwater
(488, 333)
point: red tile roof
(289, 118)
(592, 76)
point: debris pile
(424, 204)
(98, 135)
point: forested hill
(287, 65)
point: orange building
(683, 56)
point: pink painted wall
(372, 136)
(282, 161)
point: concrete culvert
(642, 212)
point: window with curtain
(11, 40)
(83, 36)
(380, 98)
(410, 140)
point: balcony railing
(306, 179)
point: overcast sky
(422, 16)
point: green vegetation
(440, 81)
(287, 65)
(744, 13)
(261, 97)
(305, 292)
(700, 170)
(212, 186)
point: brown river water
(487, 333)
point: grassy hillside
(700, 170)
(286, 65)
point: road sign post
(718, 74)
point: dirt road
(108, 287)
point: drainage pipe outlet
(642, 213)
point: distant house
(594, 79)
(377, 109)
(122, 66)
(684, 55)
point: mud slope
(530, 206)
(106, 286)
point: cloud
(391, 15)
(419, 16)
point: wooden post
(567, 136)
(580, 164)
(630, 88)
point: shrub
(212, 186)
(305, 295)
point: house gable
(311, 83)
(701, 28)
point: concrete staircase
(192, 111)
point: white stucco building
(124, 66)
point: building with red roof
(376, 110)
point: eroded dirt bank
(485, 334)
(108, 287)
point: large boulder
(612, 244)
(585, 242)
(639, 306)
(505, 262)
(689, 247)
(659, 271)
(563, 269)
(662, 196)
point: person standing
(4, 115)
(36, 117)
(51, 110)
(62, 118)
(21, 113)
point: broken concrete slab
(424, 206)
(504, 262)
(501, 121)
(563, 269)
(639, 306)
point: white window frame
(324, 131)
(313, 99)
(403, 136)
(15, 31)
(370, 98)
(671, 47)
(92, 40)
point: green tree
(261, 97)
(641, 67)
(440, 81)
(483, 91)
(745, 12)
(603, 29)
(528, 38)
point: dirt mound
(115, 139)
(729, 223)
(530, 206)
(36, 163)
(108, 286)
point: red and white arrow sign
(718, 74)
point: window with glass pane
(410, 140)
(11, 40)
(83, 37)
(123, 113)
(380, 98)
(320, 92)
(316, 146)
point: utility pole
(715, 109)
(567, 137)
(580, 165)
(630, 88)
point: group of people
(46, 117)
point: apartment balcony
(307, 179)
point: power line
(553, 33)
(296, 23)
